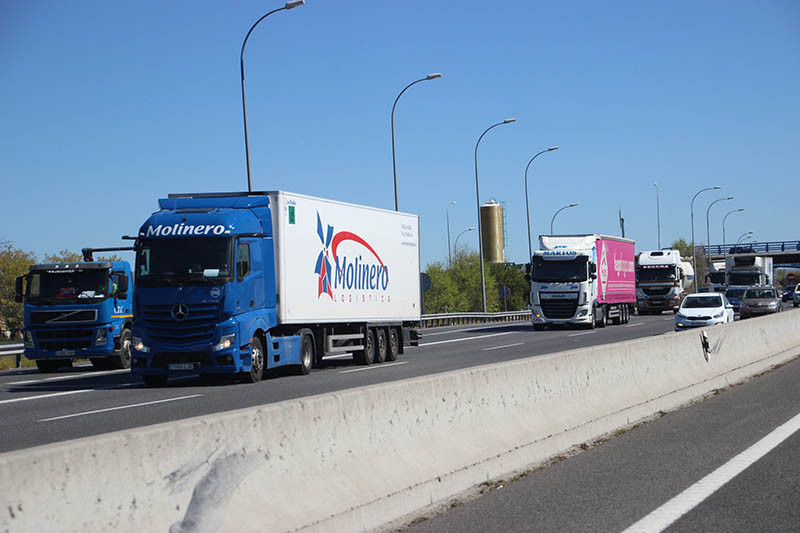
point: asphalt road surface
(38, 409)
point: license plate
(182, 366)
(65, 352)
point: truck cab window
(242, 260)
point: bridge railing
(454, 319)
(749, 248)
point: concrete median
(356, 459)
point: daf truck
(662, 280)
(748, 270)
(236, 284)
(76, 311)
(584, 280)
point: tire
(307, 354)
(538, 327)
(601, 322)
(155, 381)
(367, 355)
(617, 320)
(393, 346)
(122, 359)
(380, 346)
(46, 366)
(593, 323)
(257, 360)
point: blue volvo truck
(76, 311)
(233, 284)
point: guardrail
(12, 349)
(454, 319)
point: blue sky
(108, 106)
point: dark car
(788, 291)
(734, 296)
(760, 301)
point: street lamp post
(287, 6)
(691, 212)
(449, 255)
(708, 232)
(394, 162)
(557, 212)
(471, 228)
(527, 209)
(478, 199)
(658, 215)
(724, 248)
(744, 236)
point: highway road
(719, 465)
(38, 409)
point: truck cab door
(249, 292)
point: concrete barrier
(356, 459)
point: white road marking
(504, 346)
(376, 367)
(471, 328)
(667, 514)
(118, 408)
(13, 400)
(670, 318)
(634, 324)
(579, 334)
(68, 376)
(468, 338)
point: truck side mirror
(593, 269)
(122, 286)
(18, 290)
(528, 278)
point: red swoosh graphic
(347, 236)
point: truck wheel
(627, 314)
(306, 352)
(367, 355)
(256, 363)
(601, 322)
(156, 381)
(380, 345)
(593, 323)
(46, 366)
(123, 358)
(394, 345)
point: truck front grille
(559, 309)
(64, 317)
(197, 328)
(64, 339)
(655, 291)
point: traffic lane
(615, 483)
(67, 409)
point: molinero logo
(359, 273)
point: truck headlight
(139, 346)
(225, 342)
(28, 339)
(101, 338)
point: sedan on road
(760, 301)
(703, 309)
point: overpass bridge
(784, 253)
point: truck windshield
(559, 271)
(162, 262)
(68, 287)
(743, 279)
(656, 273)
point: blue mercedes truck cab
(79, 310)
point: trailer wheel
(380, 345)
(367, 355)
(46, 366)
(394, 345)
(306, 352)
(257, 362)
(123, 358)
(155, 381)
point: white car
(703, 309)
(796, 295)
